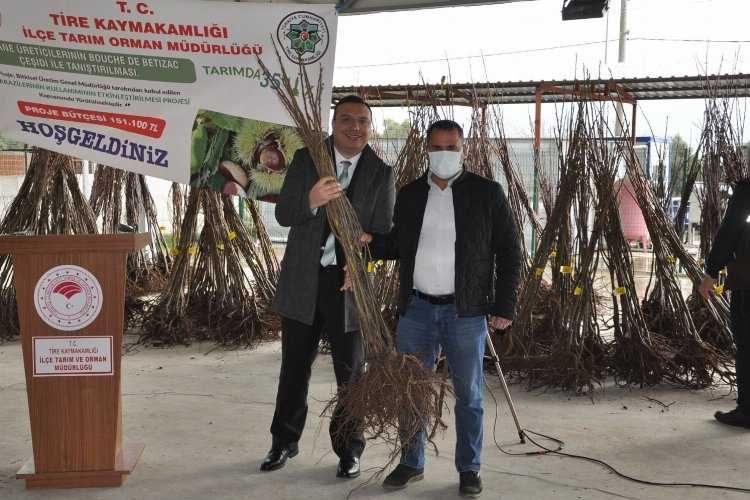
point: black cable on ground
(543, 450)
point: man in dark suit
(731, 247)
(459, 261)
(309, 296)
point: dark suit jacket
(488, 256)
(372, 194)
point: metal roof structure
(369, 6)
(635, 89)
(346, 7)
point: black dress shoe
(348, 468)
(736, 417)
(401, 476)
(470, 484)
(277, 457)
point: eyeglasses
(349, 121)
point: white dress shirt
(435, 262)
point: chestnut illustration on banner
(236, 178)
(270, 155)
(268, 172)
(234, 189)
(239, 156)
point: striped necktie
(329, 249)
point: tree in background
(395, 130)
(680, 155)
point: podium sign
(70, 292)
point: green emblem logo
(303, 36)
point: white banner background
(69, 95)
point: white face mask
(445, 164)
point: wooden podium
(70, 292)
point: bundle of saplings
(48, 202)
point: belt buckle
(436, 300)
(442, 300)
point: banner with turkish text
(167, 88)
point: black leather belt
(436, 300)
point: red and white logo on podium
(68, 297)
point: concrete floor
(204, 417)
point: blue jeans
(422, 331)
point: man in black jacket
(459, 261)
(308, 295)
(732, 246)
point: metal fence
(521, 151)
(14, 161)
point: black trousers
(299, 347)
(740, 313)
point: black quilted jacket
(488, 256)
